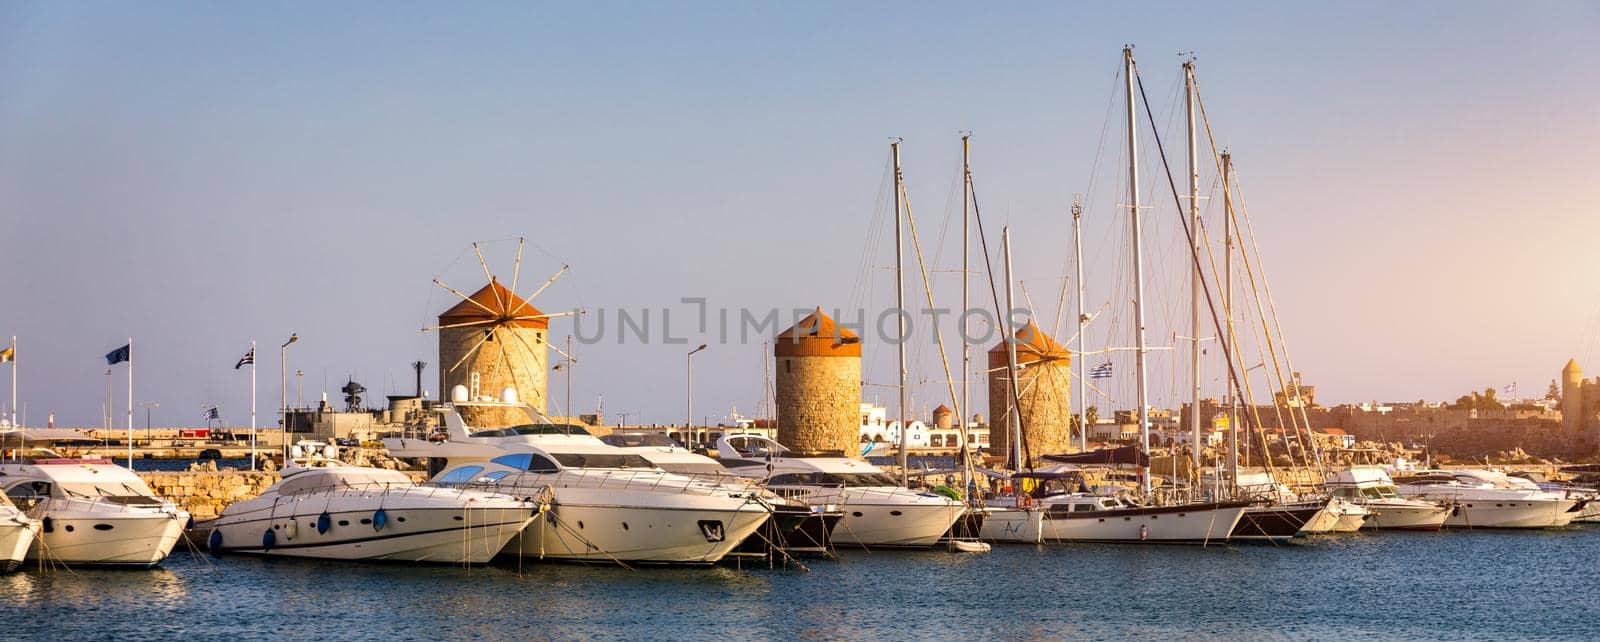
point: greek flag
(249, 358)
(210, 414)
(119, 355)
(1102, 371)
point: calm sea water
(1483, 585)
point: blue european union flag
(124, 353)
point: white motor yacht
(17, 532)
(1488, 499)
(795, 527)
(1057, 511)
(598, 503)
(92, 512)
(1371, 488)
(1588, 512)
(878, 510)
(332, 511)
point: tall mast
(1138, 268)
(1194, 276)
(1083, 324)
(900, 308)
(1015, 416)
(1227, 311)
(966, 247)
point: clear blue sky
(196, 175)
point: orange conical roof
(495, 302)
(942, 410)
(1032, 345)
(817, 335)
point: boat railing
(652, 481)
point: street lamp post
(688, 393)
(283, 384)
(147, 405)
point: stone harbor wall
(206, 493)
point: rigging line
(938, 337)
(1094, 168)
(1172, 184)
(1276, 321)
(1001, 315)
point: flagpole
(252, 405)
(130, 403)
(14, 382)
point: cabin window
(1080, 508)
(518, 461)
(461, 475)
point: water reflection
(1361, 586)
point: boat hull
(1013, 525)
(792, 530)
(16, 537)
(1516, 513)
(411, 533)
(1350, 521)
(1274, 524)
(90, 539)
(911, 525)
(596, 525)
(1405, 515)
(1209, 523)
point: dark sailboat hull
(1274, 524)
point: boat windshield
(836, 480)
(602, 460)
(634, 440)
(533, 429)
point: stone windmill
(492, 347)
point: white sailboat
(1070, 516)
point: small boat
(1488, 499)
(879, 512)
(1371, 488)
(92, 512)
(332, 511)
